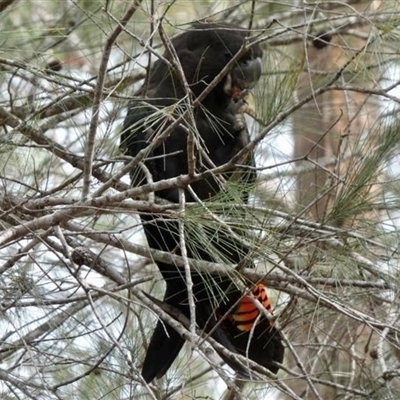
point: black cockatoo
(218, 133)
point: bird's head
(205, 49)
(244, 75)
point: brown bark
(331, 130)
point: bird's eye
(227, 55)
(244, 63)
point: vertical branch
(188, 275)
(98, 95)
(177, 67)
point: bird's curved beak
(246, 75)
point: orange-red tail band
(246, 312)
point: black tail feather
(164, 347)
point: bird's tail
(164, 347)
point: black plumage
(203, 52)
